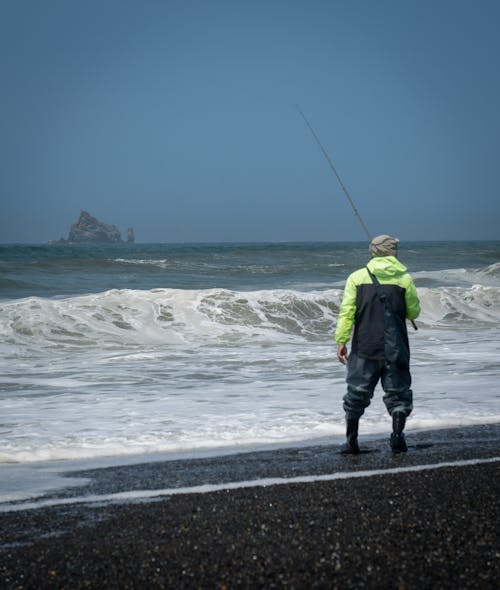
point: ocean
(114, 352)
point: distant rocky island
(88, 229)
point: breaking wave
(475, 306)
(168, 316)
(133, 317)
(487, 276)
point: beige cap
(384, 245)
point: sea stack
(90, 229)
(130, 235)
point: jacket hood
(386, 266)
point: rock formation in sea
(90, 229)
(130, 235)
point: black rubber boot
(398, 442)
(350, 447)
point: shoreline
(27, 483)
(406, 529)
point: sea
(114, 353)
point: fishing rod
(328, 159)
(346, 192)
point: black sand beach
(436, 528)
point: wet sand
(436, 528)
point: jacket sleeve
(347, 313)
(412, 301)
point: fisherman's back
(363, 308)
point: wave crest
(133, 317)
(168, 316)
(475, 306)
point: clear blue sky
(178, 118)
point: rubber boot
(350, 447)
(398, 442)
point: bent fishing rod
(342, 185)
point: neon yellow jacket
(388, 270)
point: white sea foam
(456, 306)
(167, 316)
(170, 316)
(162, 263)
(128, 372)
(486, 276)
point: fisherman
(380, 348)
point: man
(379, 335)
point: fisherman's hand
(342, 353)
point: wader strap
(380, 291)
